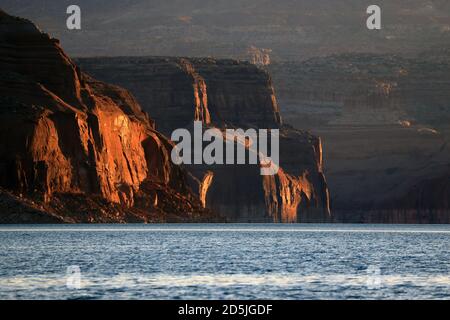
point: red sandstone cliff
(296, 193)
(227, 94)
(176, 91)
(77, 150)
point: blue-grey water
(216, 261)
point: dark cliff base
(80, 208)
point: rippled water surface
(217, 261)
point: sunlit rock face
(227, 94)
(77, 149)
(298, 192)
(177, 91)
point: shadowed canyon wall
(75, 149)
(227, 94)
(384, 121)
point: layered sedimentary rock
(176, 91)
(384, 122)
(75, 149)
(424, 202)
(364, 89)
(296, 193)
(227, 94)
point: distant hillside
(227, 28)
(384, 122)
(364, 88)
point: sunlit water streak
(226, 261)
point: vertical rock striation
(228, 94)
(65, 134)
(385, 123)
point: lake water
(216, 261)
